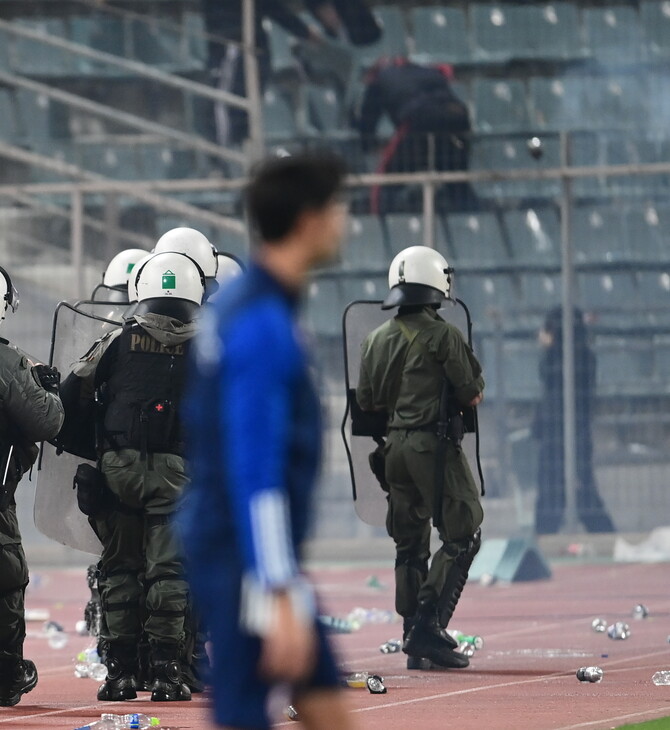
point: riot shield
(75, 329)
(360, 433)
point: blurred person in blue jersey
(253, 430)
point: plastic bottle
(661, 679)
(89, 665)
(336, 625)
(599, 625)
(590, 674)
(392, 646)
(134, 721)
(357, 680)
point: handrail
(131, 120)
(123, 187)
(97, 225)
(142, 69)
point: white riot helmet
(132, 279)
(418, 275)
(9, 294)
(119, 268)
(192, 243)
(171, 284)
(229, 267)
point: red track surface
(536, 636)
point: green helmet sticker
(169, 280)
(130, 268)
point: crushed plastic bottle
(357, 680)
(590, 674)
(466, 649)
(81, 628)
(599, 625)
(374, 582)
(618, 631)
(476, 641)
(291, 713)
(57, 640)
(661, 679)
(392, 646)
(90, 665)
(640, 612)
(133, 721)
(375, 685)
(337, 625)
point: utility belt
(150, 428)
(453, 429)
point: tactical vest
(143, 395)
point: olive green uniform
(142, 585)
(402, 372)
(28, 413)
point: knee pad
(462, 552)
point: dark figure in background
(432, 129)
(228, 125)
(548, 428)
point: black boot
(18, 676)
(428, 640)
(168, 685)
(121, 682)
(414, 662)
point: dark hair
(282, 188)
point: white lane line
(619, 718)
(486, 688)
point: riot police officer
(195, 244)
(115, 279)
(419, 370)
(138, 373)
(30, 411)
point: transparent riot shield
(361, 434)
(75, 329)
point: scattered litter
(374, 582)
(81, 628)
(376, 685)
(338, 625)
(357, 680)
(640, 612)
(655, 549)
(599, 625)
(37, 614)
(579, 549)
(618, 631)
(590, 674)
(392, 646)
(89, 665)
(51, 627)
(292, 713)
(487, 579)
(661, 679)
(134, 721)
(543, 653)
(466, 649)
(476, 641)
(56, 637)
(360, 616)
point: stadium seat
(500, 106)
(33, 111)
(540, 292)
(534, 235)
(476, 239)
(4, 50)
(118, 161)
(645, 231)
(655, 17)
(277, 115)
(557, 103)
(661, 349)
(403, 230)
(440, 35)
(544, 31)
(622, 366)
(364, 288)
(613, 33)
(615, 102)
(393, 41)
(324, 109)
(8, 125)
(654, 289)
(498, 153)
(486, 295)
(102, 33)
(521, 373)
(599, 234)
(34, 58)
(586, 150)
(159, 45)
(324, 307)
(281, 54)
(610, 292)
(365, 247)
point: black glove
(48, 377)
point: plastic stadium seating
(278, 117)
(613, 33)
(325, 111)
(8, 126)
(615, 102)
(534, 235)
(622, 366)
(485, 295)
(557, 103)
(519, 361)
(607, 291)
(4, 50)
(476, 239)
(365, 248)
(280, 46)
(647, 233)
(440, 35)
(661, 349)
(540, 292)
(403, 230)
(500, 106)
(116, 161)
(393, 41)
(654, 289)
(33, 58)
(599, 233)
(554, 30)
(363, 288)
(33, 112)
(324, 307)
(655, 17)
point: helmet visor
(12, 298)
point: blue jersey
(253, 430)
